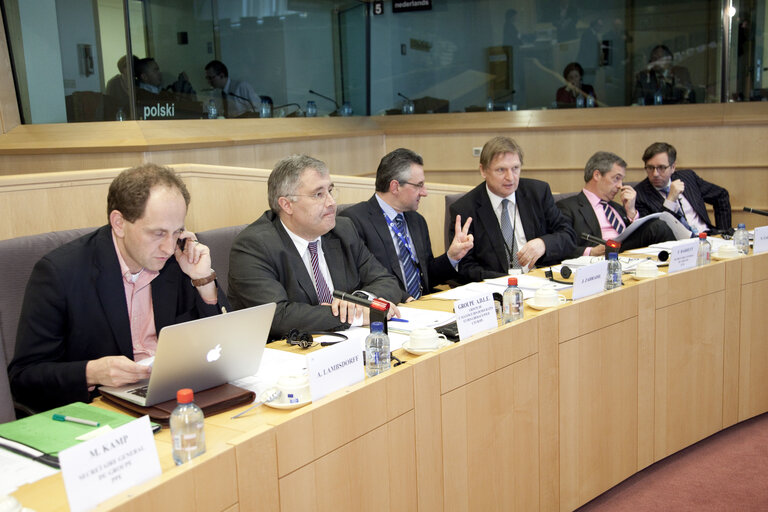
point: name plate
(475, 315)
(590, 279)
(761, 240)
(683, 257)
(335, 367)
(107, 465)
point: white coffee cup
(425, 338)
(647, 268)
(547, 296)
(727, 251)
(294, 389)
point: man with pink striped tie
(298, 252)
(594, 211)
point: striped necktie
(508, 231)
(323, 293)
(614, 219)
(410, 271)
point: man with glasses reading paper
(680, 192)
(298, 253)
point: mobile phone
(181, 242)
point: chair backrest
(219, 241)
(563, 195)
(18, 256)
(449, 200)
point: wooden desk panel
(753, 353)
(689, 371)
(598, 412)
(490, 441)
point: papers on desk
(526, 282)
(627, 264)
(17, 470)
(414, 318)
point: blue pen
(393, 319)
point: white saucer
(420, 351)
(532, 303)
(639, 278)
(296, 405)
(717, 257)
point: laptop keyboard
(142, 391)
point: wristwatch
(204, 280)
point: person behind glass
(663, 81)
(93, 307)
(118, 85)
(150, 79)
(298, 252)
(681, 192)
(237, 96)
(515, 222)
(397, 235)
(574, 89)
(594, 211)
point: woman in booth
(569, 94)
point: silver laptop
(202, 354)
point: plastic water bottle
(705, 251)
(212, 112)
(741, 239)
(266, 109)
(489, 105)
(346, 109)
(187, 424)
(590, 101)
(311, 109)
(120, 116)
(512, 308)
(579, 101)
(613, 278)
(657, 98)
(376, 350)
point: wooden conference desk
(545, 413)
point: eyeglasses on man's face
(659, 168)
(420, 185)
(320, 195)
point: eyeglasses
(320, 195)
(660, 168)
(502, 171)
(420, 185)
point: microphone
(379, 308)
(404, 96)
(325, 98)
(663, 256)
(752, 210)
(593, 239)
(610, 245)
(244, 99)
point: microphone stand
(326, 98)
(752, 210)
(253, 109)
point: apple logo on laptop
(214, 354)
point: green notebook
(48, 436)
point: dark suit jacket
(580, 213)
(75, 311)
(264, 266)
(697, 192)
(539, 216)
(373, 229)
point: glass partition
(97, 60)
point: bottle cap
(512, 281)
(185, 396)
(703, 236)
(613, 256)
(377, 327)
(741, 225)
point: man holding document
(593, 210)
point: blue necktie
(508, 231)
(614, 219)
(680, 214)
(410, 271)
